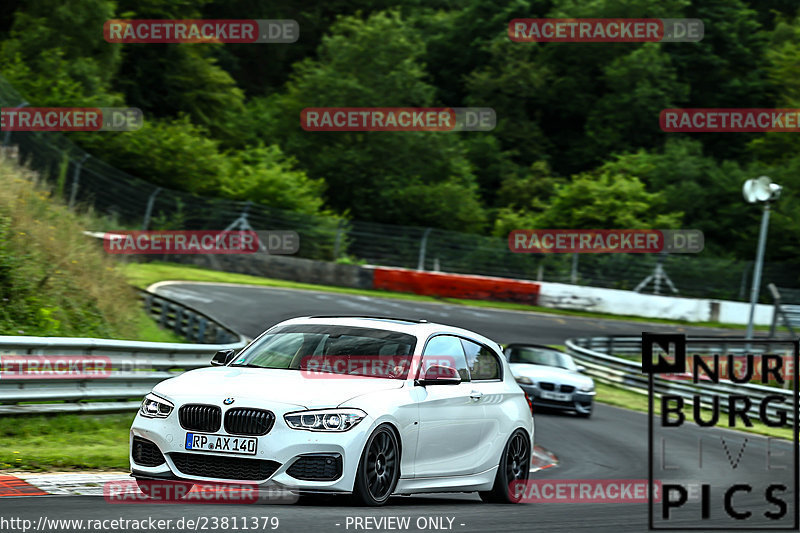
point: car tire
(515, 465)
(379, 468)
(164, 490)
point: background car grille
(146, 453)
(547, 386)
(199, 417)
(320, 467)
(246, 421)
(219, 467)
(567, 388)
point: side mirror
(223, 357)
(440, 375)
(581, 369)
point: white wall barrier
(619, 302)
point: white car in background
(305, 407)
(551, 378)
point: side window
(445, 350)
(481, 361)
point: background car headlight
(155, 407)
(587, 388)
(524, 380)
(324, 419)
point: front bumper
(580, 402)
(282, 446)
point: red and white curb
(42, 484)
(91, 484)
(541, 459)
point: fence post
(422, 246)
(776, 306)
(76, 176)
(7, 136)
(337, 244)
(573, 277)
(149, 210)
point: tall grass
(54, 280)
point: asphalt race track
(251, 310)
(612, 444)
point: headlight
(155, 407)
(324, 419)
(587, 388)
(524, 380)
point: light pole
(759, 190)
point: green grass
(148, 330)
(611, 395)
(145, 274)
(65, 442)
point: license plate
(557, 396)
(220, 443)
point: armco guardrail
(593, 353)
(134, 367)
(187, 322)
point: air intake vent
(317, 467)
(146, 453)
(219, 467)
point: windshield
(541, 356)
(326, 350)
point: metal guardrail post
(178, 326)
(201, 329)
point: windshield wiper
(249, 365)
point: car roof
(419, 328)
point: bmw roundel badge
(227, 401)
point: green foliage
(53, 279)
(417, 178)
(577, 140)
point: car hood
(258, 385)
(550, 373)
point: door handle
(476, 395)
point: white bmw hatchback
(354, 405)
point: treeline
(577, 143)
